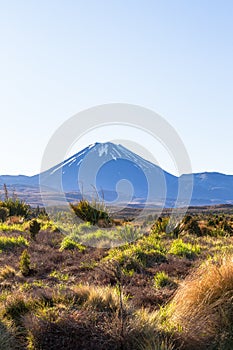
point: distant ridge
(112, 163)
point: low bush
(24, 263)
(161, 279)
(16, 207)
(180, 248)
(143, 253)
(34, 228)
(160, 225)
(8, 227)
(8, 243)
(92, 212)
(59, 276)
(69, 244)
(4, 212)
(49, 225)
(192, 226)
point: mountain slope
(121, 176)
(117, 174)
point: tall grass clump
(7, 272)
(202, 309)
(129, 233)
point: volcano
(116, 175)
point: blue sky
(60, 57)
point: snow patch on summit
(203, 176)
(103, 149)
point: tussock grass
(157, 344)
(144, 332)
(92, 321)
(7, 272)
(98, 298)
(58, 306)
(16, 305)
(202, 308)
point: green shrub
(161, 279)
(16, 207)
(49, 225)
(34, 228)
(227, 228)
(211, 222)
(60, 276)
(217, 232)
(69, 244)
(4, 212)
(24, 263)
(8, 243)
(16, 306)
(144, 253)
(187, 219)
(191, 225)
(11, 227)
(91, 212)
(188, 250)
(160, 225)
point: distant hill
(119, 176)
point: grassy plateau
(133, 286)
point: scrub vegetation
(75, 288)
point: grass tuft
(202, 308)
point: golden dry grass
(203, 307)
(99, 298)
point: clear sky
(60, 57)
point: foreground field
(160, 292)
